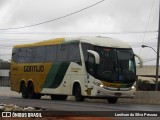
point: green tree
(4, 64)
(143, 85)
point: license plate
(118, 94)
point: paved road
(76, 106)
(87, 108)
(8, 96)
(84, 108)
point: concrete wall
(4, 78)
(147, 70)
(4, 73)
(143, 97)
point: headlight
(101, 86)
(133, 87)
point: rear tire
(77, 93)
(31, 93)
(24, 90)
(112, 100)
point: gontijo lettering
(34, 68)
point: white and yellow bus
(84, 67)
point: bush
(144, 85)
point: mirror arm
(96, 55)
(140, 60)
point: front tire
(77, 93)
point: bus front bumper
(121, 93)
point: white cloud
(4, 14)
(125, 14)
(109, 16)
(96, 23)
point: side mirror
(140, 60)
(96, 55)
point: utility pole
(158, 45)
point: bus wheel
(31, 93)
(77, 93)
(112, 100)
(59, 97)
(24, 90)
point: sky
(132, 21)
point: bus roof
(102, 41)
(98, 41)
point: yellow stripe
(108, 84)
(43, 43)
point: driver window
(91, 64)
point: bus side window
(74, 53)
(51, 53)
(22, 55)
(91, 64)
(31, 53)
(15, 54)
(40, 54)
(85, 47)
(62, 53)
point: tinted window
(40, 54)
(51, 53)
(74, 52)
(15, 54)
(22, 55)
(31, 54)
(85, 47)
(62, 54)
(91, 64)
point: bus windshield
(116, 65)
